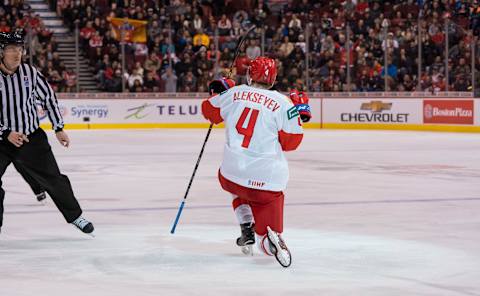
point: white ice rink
(378, 213)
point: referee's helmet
(9, 38)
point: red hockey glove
(300, 100)
(220, 85)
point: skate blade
(283, 256)
(92, 234)
(247, 250)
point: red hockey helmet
(262, 70)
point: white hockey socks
(243, 212)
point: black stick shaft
(182, 204)
(198, 160)
(237, 50)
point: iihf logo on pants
(255, 183)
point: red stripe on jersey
(211, 113)
(289, 142)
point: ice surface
(367, 213)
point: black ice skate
(41, 197)
(279, 248)
(84, 225)
(247, 239)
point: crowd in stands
(16, 14)
(190, 42)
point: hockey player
(260, 125)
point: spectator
(200, 39)
(139, 69)
(115, 83)
(133, 77)
(153, 63)
(154, 30)
(170, 80)
(253, 50)
(152, 82)
(141, 52)
(96, 41)
(70, 79)
(461, 83)
(285, 48)
(327, 43)
(295, 23)
(224, 26)
(189, 82)
(408, 84)
(87, 32)
(197, 22)
(212, 54)
(137, 87)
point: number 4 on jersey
(248, 131)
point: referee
(22, 141)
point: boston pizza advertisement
(449, 111)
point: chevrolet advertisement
(371, 111)
(375, 111)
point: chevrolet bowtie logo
(376, 106)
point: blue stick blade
(180, 209)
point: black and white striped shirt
(19, 94)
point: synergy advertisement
(129, 111)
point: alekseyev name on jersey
(256, 97)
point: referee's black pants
(36, 187)
(37, 159)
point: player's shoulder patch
(292, 113)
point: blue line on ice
(319, 203)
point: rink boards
(103, 111)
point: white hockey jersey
(260, 125)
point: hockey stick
(180, 209)
(237, 49)
(182, 204)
